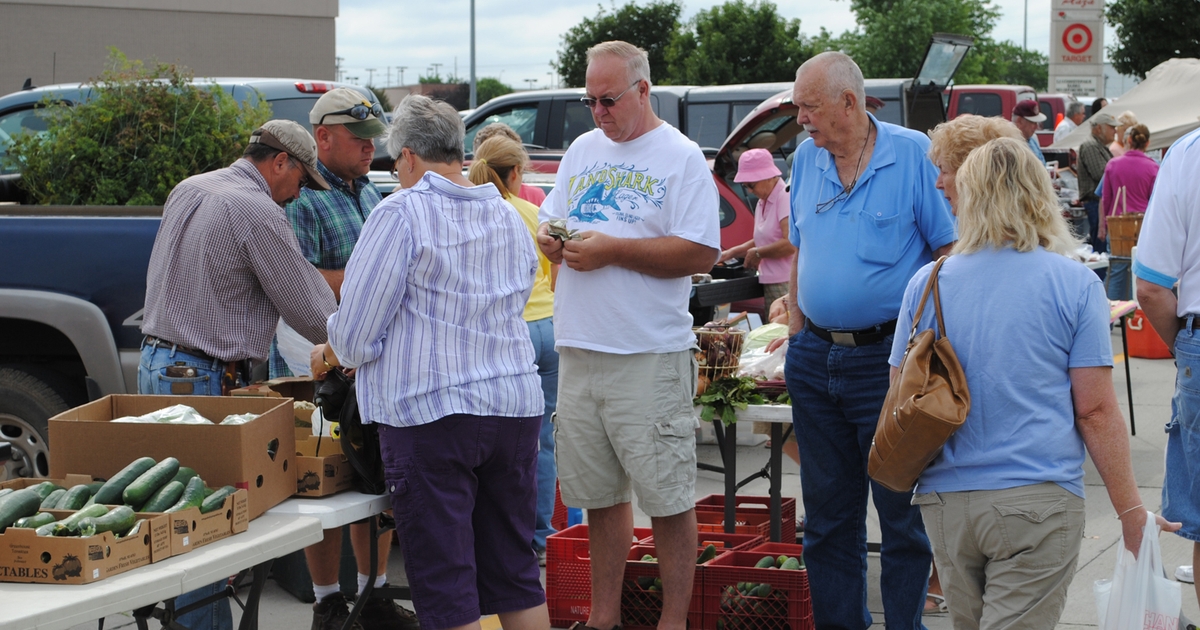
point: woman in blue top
(1003, 503)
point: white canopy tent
(1167, 102)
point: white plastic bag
(1139, 596)
(761, 365)
(294, 349)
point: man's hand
(550, 246)
(593, 250)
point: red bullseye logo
(1077, 38)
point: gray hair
(840, 74)
(637, 60)
(1074, 109)
(431, 129)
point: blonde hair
(1127, 119)
(496, 128)
(1137, 137)
(494, 162)
(637, 61)
(951, 141)
(1006, 200)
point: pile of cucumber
(654, 584)
(142, 486)
(750, 599)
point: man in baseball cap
(290, 138)
(1026, 117)
(327, 223)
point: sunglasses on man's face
(607, 101)
(359, 112)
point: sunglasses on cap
(359, 112)
(607, 101)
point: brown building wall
(62, 41)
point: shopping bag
(1139, 595)
(294, 349)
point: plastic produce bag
(239, 418)
(763, 335)
(1138, 595)
(175, 414)
(762, 366)
(294, 349)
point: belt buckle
(843, 339)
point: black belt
(854, 338)
(153, 341)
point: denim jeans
(541, 333)
(206, 381)
(1181, 485)
(837, 393)
(1118, 284)
(1098, 244)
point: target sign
(1077, 38)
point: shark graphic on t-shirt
(606, 192)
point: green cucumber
(763, 590)
(110, 493)
(52, 499)
(215, 500)
(45, 489)
(75, 498)
(95, 486)
(765, 563)
(5, 492)
(184, 474)
(164, 498)
(193, 495)
(709, 553)
(70, 526)
(18, 505)
(146, 484)
(35, 521)
(117, 521)
(792, 564)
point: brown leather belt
(854, 338)
(151, 340)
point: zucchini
(75, 498)
(118, 521)
(45, 488)
(18, 505)
(184, 474)
(164, 498)
(215, 500)
(146, 484)
(70, 526)
(193, 495)
(110, 492)
(35, 521)
(52, 499)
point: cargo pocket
(1038, 530)
(878, 237)
(397, 488)
(675, 450)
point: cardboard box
(258, 456)
(300, 388)
(27, 557)
(189, 529)
(68, 482)
(319, 476)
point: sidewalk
(1153, 383)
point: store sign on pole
(1077, 47)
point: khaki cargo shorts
(626, 421)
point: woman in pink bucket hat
(769, 251)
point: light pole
(370, 76)
(472, 103)
(436, 73)
(337, 64)
(1026, 44)
(531, 82)
(402, 69)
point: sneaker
(541, 554)
(331, 613)
(380, 614)
(1184, 574)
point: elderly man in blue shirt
(1026, 117)
(865, 217)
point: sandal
(935, 605)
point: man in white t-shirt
(642, 199)
(1168, 254)
(1074, 117)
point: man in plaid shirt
(327, 225)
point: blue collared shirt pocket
(879, 236)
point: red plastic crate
(558, 519)
(722, 541)
(641, 608)
(758, 524)
(569, 574)
(787, 606)
(745, 505)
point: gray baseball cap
(291, 138)
(1103, 118)
(345, 106)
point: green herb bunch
(145, 130)
(725, 396)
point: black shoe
(385, 614)
(331, 613)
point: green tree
(650, 27)
(488, 88)
(737, 42)
(893, 35)
(434, 80)
(1005, 63)
(147, 129)
(1150, 32)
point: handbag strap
(931, 285)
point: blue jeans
(152, 379)
(541, 333)
(1099, 245)
(837, 393)
(1118, 285)
(1181, 484)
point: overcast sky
(516, 40)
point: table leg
(250, 610)
(1128, 379)
(730, 457)
(776, 480)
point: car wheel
(26, 404)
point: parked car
(20, 112)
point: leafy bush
(146, 129)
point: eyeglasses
(607, 102)
(842, 196)
(359, 112)
(303, 173)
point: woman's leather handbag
(927, 402)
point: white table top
(53, 606)
(335, 510)
(781, 414)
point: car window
(521, 118)
(708, 123)
(577, 120)
(1048, 110)
(14, 124)
(980, 104)
(891, 112)
(296, 109)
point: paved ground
(1153, 384)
